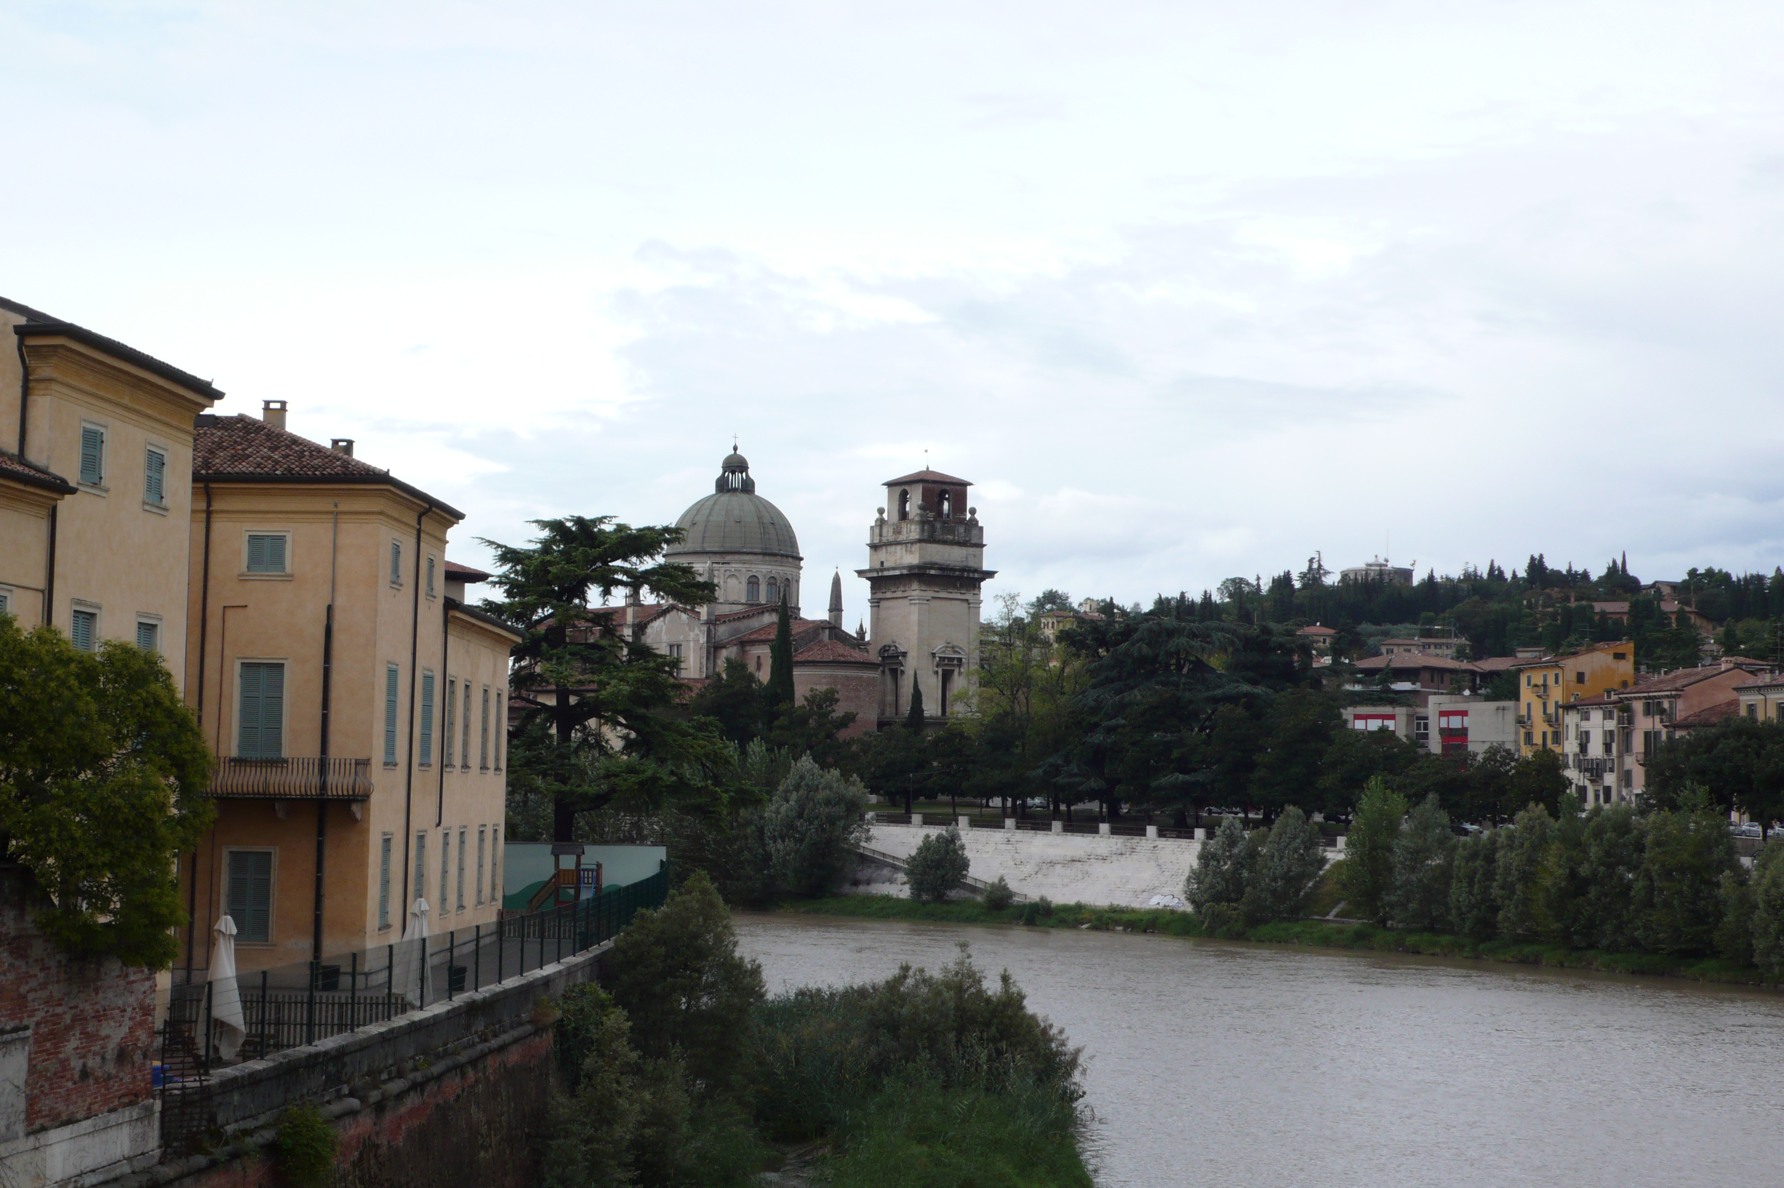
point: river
(1214, 1064)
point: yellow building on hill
(1547, 683)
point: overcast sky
(1189, 290)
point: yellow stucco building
(356, 705)
(1547, 683)
(95, 484)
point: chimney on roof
(341, 445)
(273, 413)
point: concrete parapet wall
(1064, 867)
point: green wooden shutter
(390, 677)
(427, 719)
(256, 554)
(154, 477)
(250, 894)
(384, 882)
(446, 721)
(260, 731)
(82, 628)
(275, 554)
(92, 455)
(146, 637)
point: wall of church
(731, 573)
(938, 630)
(857, 692)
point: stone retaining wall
(1064, 867)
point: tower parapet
(925, 566)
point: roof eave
(326, 480)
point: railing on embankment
(297, 1005)
(1043, 825)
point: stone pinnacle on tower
(836, 599)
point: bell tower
(925, 555)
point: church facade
(924, 572)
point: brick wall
(92, 1019)
(857, 689)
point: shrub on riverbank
(938, 866)
(681, 1071)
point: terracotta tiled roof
(748, 610)
(828, 651)
(1411, 660)
(926, 476)
(1764, 682)
(244, 449)
(1493, 664)
(464, 573)
(1589, 702)
(1671, 682)
(766, 632)
(1316, 629)
(20, 471)
(1710, 715)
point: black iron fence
(294, 1005)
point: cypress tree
(780, 664)
(913, 719)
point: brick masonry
(92, 1019)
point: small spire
(836, 599)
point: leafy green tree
(103, 772)
(1599, 909)
(1473, 902)
(937, 867)
(811, 728)
(1298, 729)
(1741, 761)
(1367, 876)
(1520, 872)
(812, 826)
(1216, 883)
(676, 973)
(1537, 778)
(1678, 896)
(735, 700)
(1423, 869)
(1285, 871)
(592, 1137)
(1734, 934)
(602, 697)
(1767, 922)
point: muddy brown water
(1225, 1064)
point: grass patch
(1312, 933)
(921, 1136)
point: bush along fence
(212, 1023)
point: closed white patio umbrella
(228, 1028)
(412, 974)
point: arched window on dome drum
(755, 590)
(773, 590)
(947, 503)
(904, 505)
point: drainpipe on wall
(204, 624)
(24, 391)
(414, 653)
(322, 764)
(440, 684)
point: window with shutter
(427, 719)
(390, 680)
(384, 882)
(420, 866)
(266, 552)
(501, 724)
(250, 894)
(92, 455)
(396, 562)
(481, 832)
(462, 831)
(445, 871)
(446, 724)
(483, 744)
(83, 629)
(148, 636)
(495, 855)
(260, 724)
(464, 735)
(5, 602)
(430, 577)
(154, 482)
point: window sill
(149, 505)
(264, 577)
(94, 488)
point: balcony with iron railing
(293, 778)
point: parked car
(1750, 829)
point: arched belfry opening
(947, 503)
(904, 505)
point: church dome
(734, 519)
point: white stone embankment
(1064, 867)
